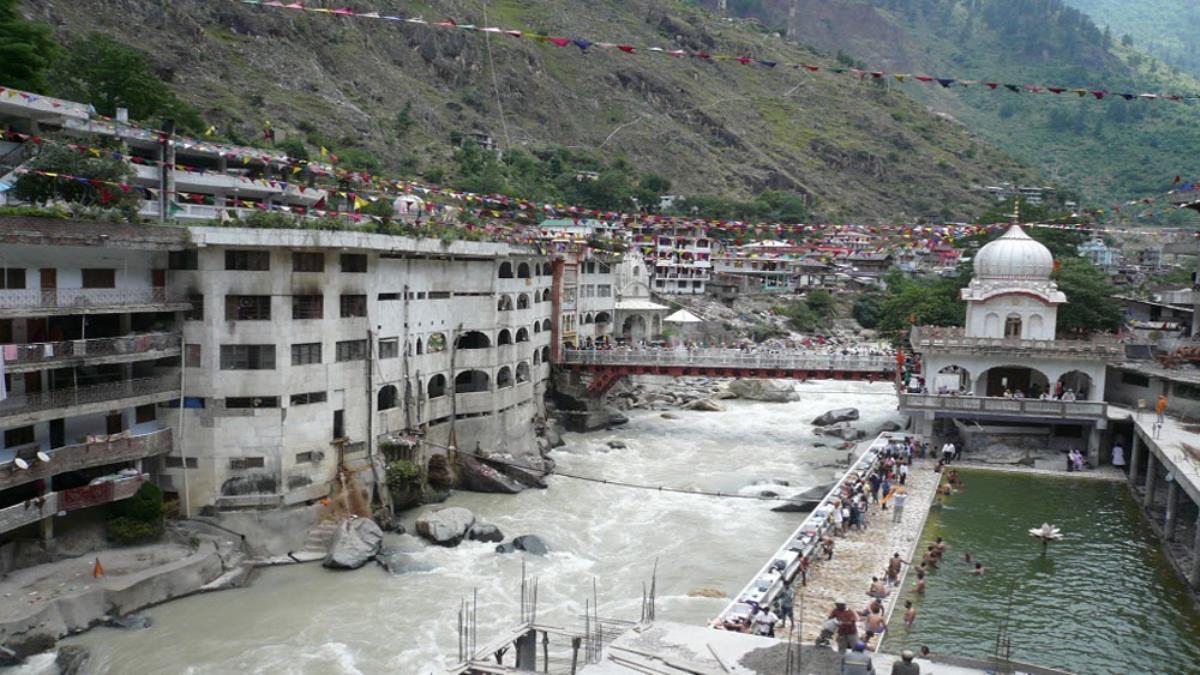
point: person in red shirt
(847, 630)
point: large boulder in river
(445, 527)
(396, 562)
(771, 391)
(888, 426)
(835, 416)
(530, 543)
(479, 476)
(843, 431)
(805, 501)
(485, 532)
(355, 541)
(705, 405)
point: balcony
(31, 511)
(20, 358)
(60, 301)
(1023, 408)
(226, 183)
(99, 450)
(21, 409)
(953, 339)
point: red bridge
(609, 366)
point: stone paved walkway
(860, 555)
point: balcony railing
(730, 358)
(51, 353)
(98, 451)
(1017, 407)
(33, 510)
(954, 338)
(83, 298)
(17, 404)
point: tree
(820, 302)
(1090, 306)
(110, 75)
(26, 50)
(111, 189)
(138, 519)
(868, 309)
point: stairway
(320, 536)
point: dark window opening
(308, 307)
(354, 263)
(247, 261)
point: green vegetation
(810, 315)
(1091, 306)
(403, 474)
(26, 50)
(139, 519)
(107, 193)
(770, 206)
(52, 212)
(109, 75)
(1165, 28)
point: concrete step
(320, 536)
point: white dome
(1014, 256)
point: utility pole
(166, 181)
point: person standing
(1160, 408)
(857, 662)
(1118, 455)
(787, 603)
(903, 472)
(764, 622)
(955, 452)
(905, 665)
(847, 630)
(898, 500)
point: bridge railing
(1024, 407)
(730, 358)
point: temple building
(1006, 377)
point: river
(306, 619)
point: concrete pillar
(1172, 510)
(1194, 577)
(1093, 447)
(1134, 449)
(1151, 474)
(47, 528)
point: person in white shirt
(764, 622)
(1118, 455)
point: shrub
(403, 473)
(138, 519)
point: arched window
(506, 270)
(471, 340)
(504, 377)
(603, 317)
(504, 304)
(522, 335)
(522, 372)
(387, 398)
(523, 271)
(522, 301)
(588, 318)
(537, 297)
(546, 325)
(504, 338)
(537, 327)
(471, 381)
(545, 355)
(420, 350)
(537, 357)
(546, 295)
(437, 386)
(547, 270)
(436, 343)
(1012, 326)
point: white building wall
(987, 318)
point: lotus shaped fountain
(1046, 534)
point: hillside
(401, 94)
(1164, 28)
(1106, 150)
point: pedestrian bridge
(610, 365)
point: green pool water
(1103, 600)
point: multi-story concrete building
(679, 255)
(90, 347)
(306, 354)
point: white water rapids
(306, 619)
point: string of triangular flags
(586, 46)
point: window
(244, 402)
(1135, 379)
(389, 348)
(354, 306)
(1183, 390)
(246, 463)
(18, 436)
(144, 413)
(308, 307)
(306, 353)
(351, 350)
(247, 308)
(355, 263)
(247, 357)
(196, 313)
(13, 278)
(183, 260)
(99, 278)
(309, 457)
(310, 397)
(339, 424)
(308, 262)
(247, 261)
(192, 356)
(604, 291)
(177, 462)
